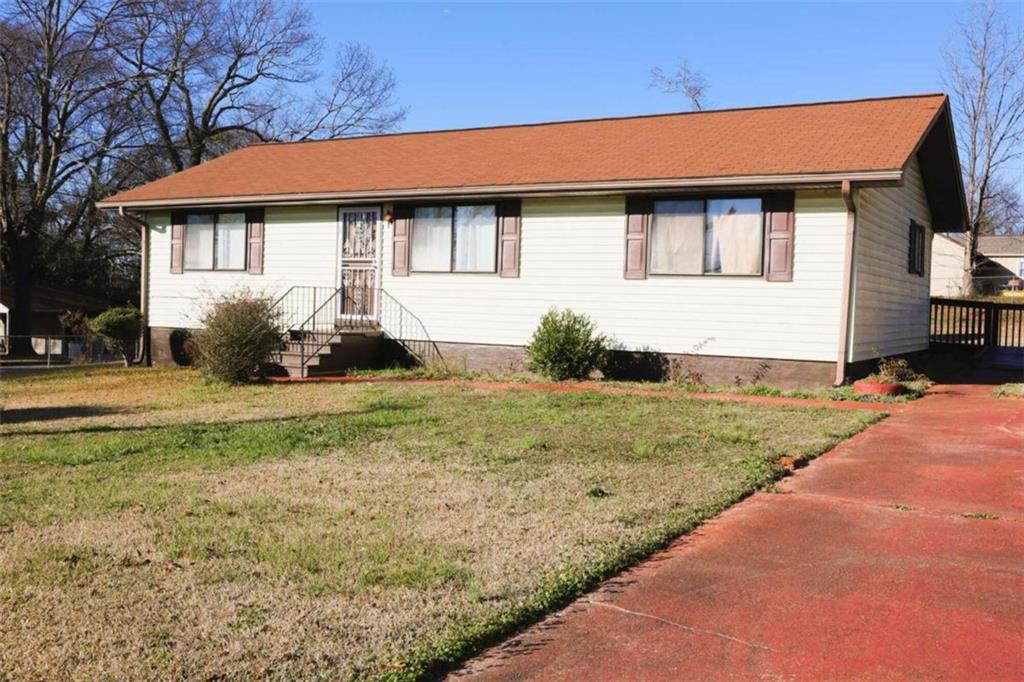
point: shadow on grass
(23, 415)
(141, 428)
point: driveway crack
(681, 626)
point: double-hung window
(456, 238)
(916, 248)
(215, 241)
(714, 236)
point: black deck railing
(976, 324)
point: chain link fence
(48, 350)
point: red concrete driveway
(899, 555)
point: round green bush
(120, 328)
(241, 333)
(567, 345)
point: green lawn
(153, 526)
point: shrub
(896, 371)
(240, 334)
(566, 345)
(120, 328)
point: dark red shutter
(779, 230)
(638, 216)
(400, 240)
(509, 237)
(177, 242)
(256, 230)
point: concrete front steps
(331, 354)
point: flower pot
(866, 387)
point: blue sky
(464, 64)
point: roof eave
(795, 180)
(949, 219)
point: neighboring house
(796, 236)
(48, 304)
(947, 272)
(999, 264)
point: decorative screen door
(359, 261)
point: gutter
(849, 282)
(671, 185)
(143, 351)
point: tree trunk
(968, 288)
(23, 252)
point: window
(215, 241)
(915, 252)
(455, 239)
(722, 236)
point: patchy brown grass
(1009, 391)
(77, 398)
(341, 530)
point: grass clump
(1009, 391)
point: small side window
(916, 249)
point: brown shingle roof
(825, 138)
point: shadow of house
(23, 415)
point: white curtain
(476, 233)
(732, 244)
(676, 234)
(199, 242)
(231, 241)
(432, 239)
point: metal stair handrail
(408, 330)
(308, 312)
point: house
(999, 264)
(48, 305)
(787, 240)
(947, 267)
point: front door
(359, 236)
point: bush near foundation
(567, 345)
(241, 332)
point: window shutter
(638, 215)
(402, 213)
(779, 228)
(177, 242)
(509, 237)
(256, 230)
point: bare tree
(219, 75)
(1004, 211)
(61, 116)
(985, 76)
(100, 95)
(685, 81)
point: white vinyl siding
(572, 256)
(947, 267)
(1012, 265)
(300, 248)
(890, 309)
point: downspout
(849, 282)
(142, 355)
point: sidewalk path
(898, 555)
